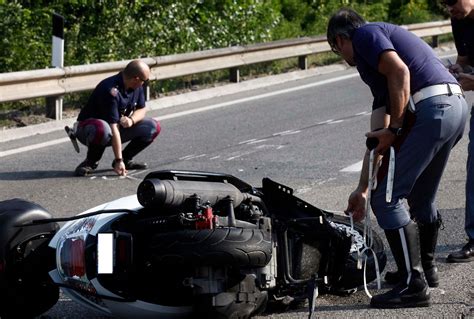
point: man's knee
(150, 129)
(425, 213)
(389, 215)
(94, 131)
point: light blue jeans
(420, 160)
(469, 222)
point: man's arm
(466, 81)
(398, 82)
(463, 61)
(463, 72)
(138, 115)
(357, 200)
(378, 120)
(119, 166)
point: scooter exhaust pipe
(158, 193)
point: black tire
(353, 277)
(26, 290)
(213, 247)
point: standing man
(115, 114)
(462, 21)
(400, 68)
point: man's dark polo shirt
(372, 39)
(463, 32)
(109, 101)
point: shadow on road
(30, 175)
(33, 175)
(36, 175)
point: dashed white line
(186, 157)
(192, 156)
(325, 122)
(357, 167)
(198, 110)
(289, 132)
(33, 147)
(247, 141)
(257, 141)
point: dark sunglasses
(333, 45)
(449, 2)
(145, 82)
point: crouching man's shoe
(86, 168)
(466, 254)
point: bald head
(137, 68)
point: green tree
(112, 30)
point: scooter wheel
(213, 247)
(26, 290)
(352, 276)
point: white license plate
(105, 253)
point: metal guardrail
(59, 81)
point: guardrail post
(146, 89)
(54, 104)
(434, 41)
(234, 75)
(54, 107)
(303, 62)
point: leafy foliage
(111, 30)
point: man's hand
(356, 205)
(126, 122)
(119, 168)
(385, 137)
(466, 81)
(455, 69)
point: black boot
(405, 245)
(94, 154)
(428, 240)
(132, 149)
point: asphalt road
(306, 133)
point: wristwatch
(398, 131)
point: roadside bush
(114, 30)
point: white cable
(368, 238)
(390, 176)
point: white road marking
(254, 150)
(257, 141)
(238, 155)
(33, 147)
(257, 97)
(195, 156)
(247, 141)
(289, 132)
(357, 167)
(325, 122)
(131, 175)
(186, 157)
(197, 110)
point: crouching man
(115, 114)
